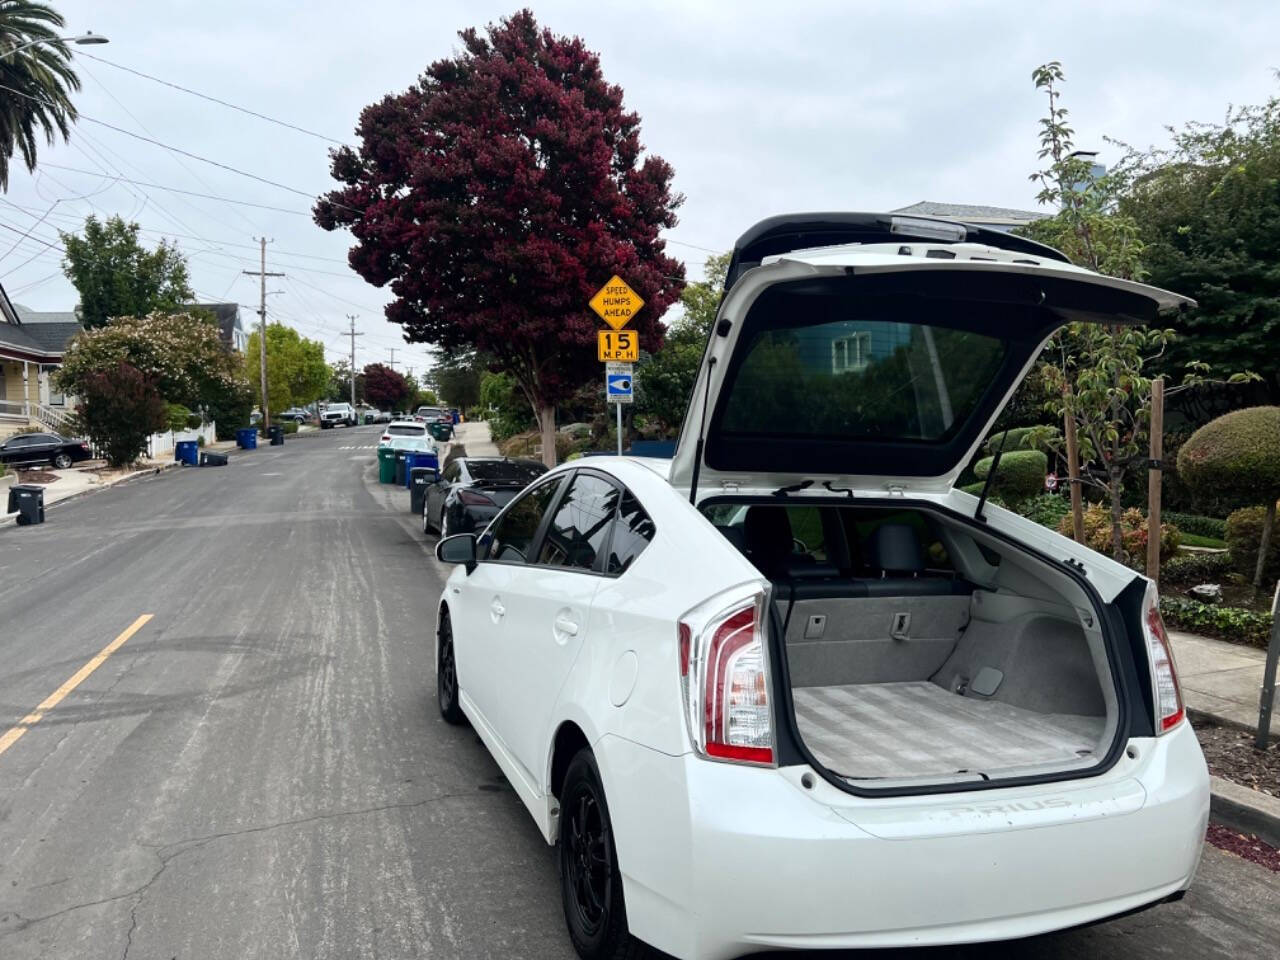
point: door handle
(565, 625)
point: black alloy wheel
(590, 882)
(447, 675)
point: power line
(189, 193)
(212, 99)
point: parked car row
(925, 721)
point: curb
(1244, 810)
(1220, 721)
(89, 491)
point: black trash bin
(419, 479)
(277, 435)
(27, 500)
(401, 466)
(211, 459)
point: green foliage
(1233, 624)
(1047, 509)
(387, 389)
(1194, 523)
(116, 276)
(230, 408)
(1236, 457)
(179, 417)
(40, 79)
(119, 409)
(296, 371)
(664, 380)
(1195, 540)
(1024, 438)
(1133, 532)
(1195, 567)
(507, 409)
(1244, 540)
(338, 389)
(181, 354)
(457, 379)
(1019, 476)
(1207, 206)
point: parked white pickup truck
(338, 413)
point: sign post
(616, 303)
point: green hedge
(1244, 537)
(1194, 523)
(1236, 457)
(1018, 439)
(1233, 624)
(1048, 509)
(1020, 474)
(1195, 567)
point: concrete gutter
(1244, 810)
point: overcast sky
(762, 108)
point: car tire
(447, 674)
(445, 529)
(426, 519)
(62, 461)
(590, 881)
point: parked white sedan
(791, 690)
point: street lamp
(87, 39)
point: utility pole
(393, 357)
(351, 317)
(262, 326)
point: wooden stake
(1073, 473)
(1154, 474)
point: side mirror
(460, 548)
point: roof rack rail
(798, 231)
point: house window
(52, 397)
(851, 354)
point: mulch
(36, 476)
(1243, 845)
(1230, 754)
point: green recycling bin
(386, 465)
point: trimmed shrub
(1133, 534)
(1244, 537)
(1233, 624)
(1048, 509)
(1235, 457)
(1020, 474)
(119, 409)
(1018, 439)
(1195, 567)
(1194, 523)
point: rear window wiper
(794, 488)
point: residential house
(31, 348)
(229, 326)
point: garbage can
(386, 465)
(213, 459)
(419, 479)
(277, 434)
(27, 500)
(401, 468)
(187, 452)
(414, 460)
(441, 431)
(247, 438)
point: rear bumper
(720, 860)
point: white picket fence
(162, 445)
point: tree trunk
(1073, 475)
(1264, 543)
(547, 421)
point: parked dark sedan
(471, 491)
(40, 448)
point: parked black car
(471, 491)
(40, 448)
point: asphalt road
(259, 771)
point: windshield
(420, 444)
(860, 378)
(505, 470)
(429, 411)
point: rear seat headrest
(768, 535)
(895, 548)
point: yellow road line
(14, 734)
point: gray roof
(48, 330)
(228, 317)
(18, 338)
(969, 212)
(28, 316)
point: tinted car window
(407, 430)
(580, 527)
(632, 532)
(512, 534)
(505, 470)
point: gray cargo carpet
(919, 729)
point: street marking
(14, 734)
(366, 446)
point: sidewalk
(1220, 679)
(474, 436)
(73, 483)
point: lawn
(1195, 540)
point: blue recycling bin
(247, 438)
(412, 460)
(187, 452)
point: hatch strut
(702, 431)
(991, 475)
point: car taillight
(1166, 693)
(474, 499)
(725, 679)
(386, 438)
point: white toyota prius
(790, 689)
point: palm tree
(36, 81)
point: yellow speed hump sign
(616, 303)
(621, 346)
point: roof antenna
(991, 475)
(702, 434)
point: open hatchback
(856, 365)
